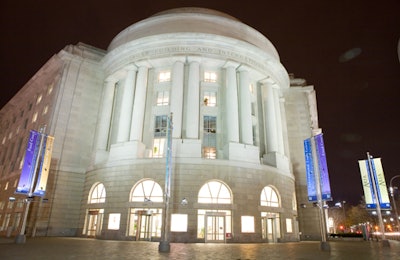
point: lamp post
(394, 201)
(164, 245)
(344, 214)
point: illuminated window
(179, 222)
(162, 98)
(39, 99)
(45, 109)
(50, 89)
(210, 76)
(4, 140)
(164, 76)
(34, 118)
(6, 186)
(210, 137)
(247, 224)
(269, 197)
(289, 226)
(113, 221)
(147, 190)
(210, 98)
(214, 192)
(160, 134)
(98, 194)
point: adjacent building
(194, 83)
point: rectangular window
(162, 98)
(179, 222)
(210, 76)
(289, 226)
(160, 134)
(164, 76)
(247, 224)
(210, 98)
(210, 137)
(114, 220)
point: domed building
(187, 124)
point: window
(160, 134)
(39, 99)
(114, 220)
(210, 76)
(289, 226)
(269, 197)
(147, 191)
(179, 222)
(247, 224)
(34, 118)
(164, 76)
(210, 98)
(98, 194)
(214, 192)
(45, 109)
(162, 98)
(210, 137)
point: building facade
(194, 83)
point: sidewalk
(83, 248)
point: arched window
(269, 197)
(215, 192)
(147, 190)
(98, 194)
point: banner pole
(21, 237)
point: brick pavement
(82, 248)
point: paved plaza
(81, 248)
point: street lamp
(394, 202)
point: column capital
(230, 64)
(143, 64)
(191, 59)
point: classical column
(176, 97)
(232, 113)
(193, 103)
(139, 105)
(126, 106)
(246, 123)
(270, 118)
(278, 116)
(105, 114)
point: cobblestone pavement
(82, 248)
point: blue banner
(32, 149)
(310, 174)
(323, 167)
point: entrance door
(95, 221)
(144, 227)
(269, 229)
(215, 227)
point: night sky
(347, 49)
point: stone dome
(194, 20)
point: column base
(20, 239)
(126, 151)
(164, 246)
(242, 152)
(277, 160)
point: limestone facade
(239, 121)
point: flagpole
(377, 201)
(21, 237)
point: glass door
(215, 228)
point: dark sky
(347, 49)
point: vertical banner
(310, 174)
(28, 169)
(367, 184)
(40, 188)
(323, 167)
(376, 174)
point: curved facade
(190, 113)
